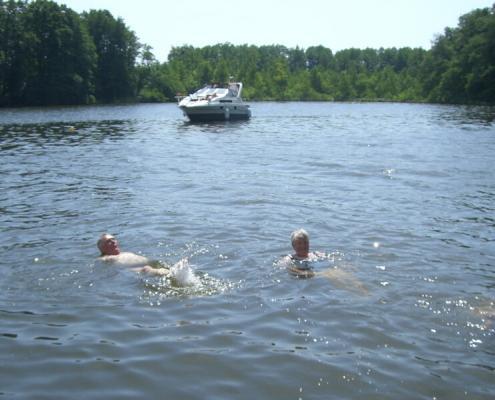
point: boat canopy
(209, 91)
(232, 89)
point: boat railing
(179, 97)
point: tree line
(51, 55)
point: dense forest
(51, 55)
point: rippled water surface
(400, 197)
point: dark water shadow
(187, 126)
(468, 115)
(58, 134)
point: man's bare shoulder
(125, 258)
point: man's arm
(152, 271)
(300, 273)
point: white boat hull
(216, 112)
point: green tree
(117, 48)
(297, 60)
(64, 56)
(16, 56)
(477, 54)
(319, 56)
(460, 68)
(161, 84)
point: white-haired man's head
(300, 242)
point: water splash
(183, 274)
(182, 281)
(157, 291)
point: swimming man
(110, 253)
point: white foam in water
(183, 274)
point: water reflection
(468, 115)
(14, 137)
(213, 126)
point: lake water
(401, 197)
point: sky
(338, 25)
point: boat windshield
(202, 91)
(221, 92)
(209, 91)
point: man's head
(108, 245)
(300, 242)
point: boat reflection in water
(215, 103)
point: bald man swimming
(110, 253)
